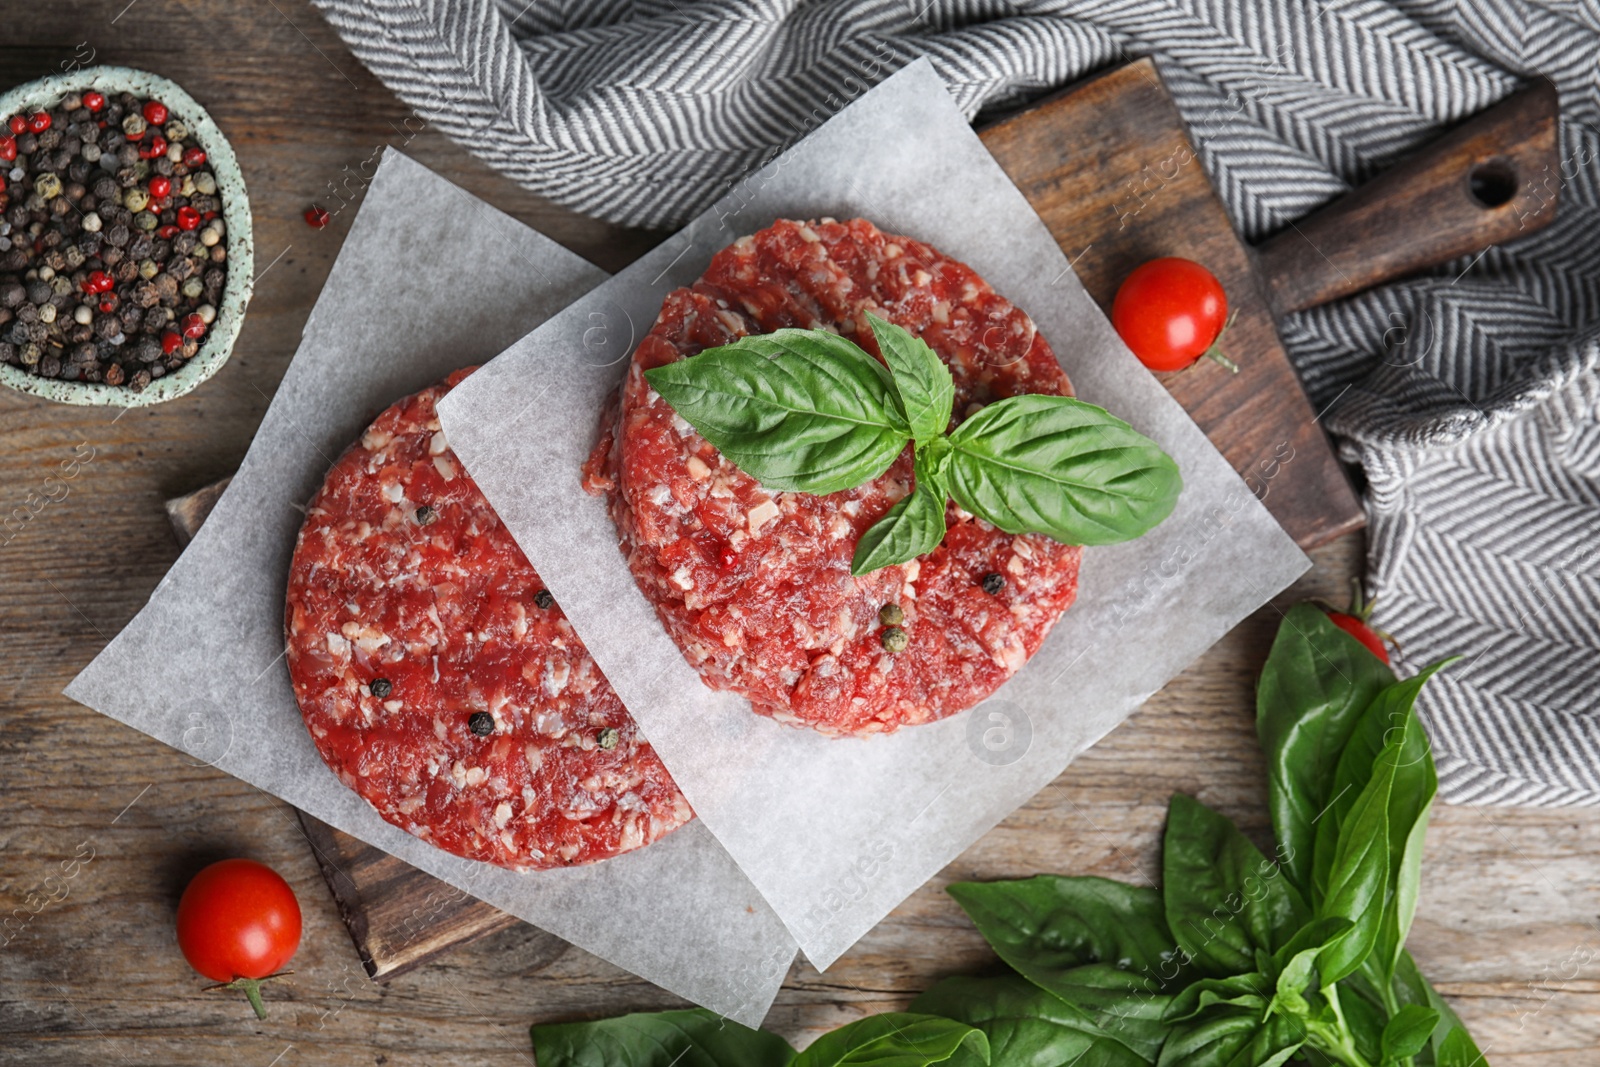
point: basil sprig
(1239, 960)
(698, 1038)
(809, 411)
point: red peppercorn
(317, 216)
(93, 101)
(108, 305)
(18, 124)
(155, 112)
(97, 282)
(39, 122)
(160, 186)
(188, 218)
(194, 326)
(8, 148)
(193, 156)
(208, 216)
(171, 341)
(166, 233)
(155, 149)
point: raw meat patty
(443, 606)
(755, 587)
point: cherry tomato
(238, 923)
(1353, 620)
(1358, 629)
(1170, 311)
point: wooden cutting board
(1109, 166)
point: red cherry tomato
(1358, 629)
(1169, 311)
(239, 922)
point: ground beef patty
(496, 736)
(755, 587)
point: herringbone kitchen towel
(1470, 397)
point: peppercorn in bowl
(126, 257)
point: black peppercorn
(76, 204)
(381, 687)
(993, 582)
(426, 516)
(481, 723)
(543, 599)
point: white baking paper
(412, 296)
(836, 832)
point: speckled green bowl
(47, 93)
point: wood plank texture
(89, 973)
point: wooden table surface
(89, 972)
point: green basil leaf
(1459, 1050)
(1240, 1039)
(913, 527)
(1407, 1033)
(1314, 934)
(796, 409)
(1364, 1020)
(893, 1039)
(1294, 981)
(1359, 877)
(1391, 729)
(922, 382)
(1057, 466)
(1410, 987)
(1316, 683)
(694, 1038)
(1128, 1006)
(1052, 923)
(1246, 991)
(1027, 1026)
(1224, 900)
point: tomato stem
(252, 990)
(1214, 353)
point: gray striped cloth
(1469, 396)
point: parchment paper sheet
(413, 295)
(834, 832)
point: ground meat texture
(755, 587)
(404, 628)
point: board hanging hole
(1492, 183)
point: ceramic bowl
(46, 93)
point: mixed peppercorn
(112, 250)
